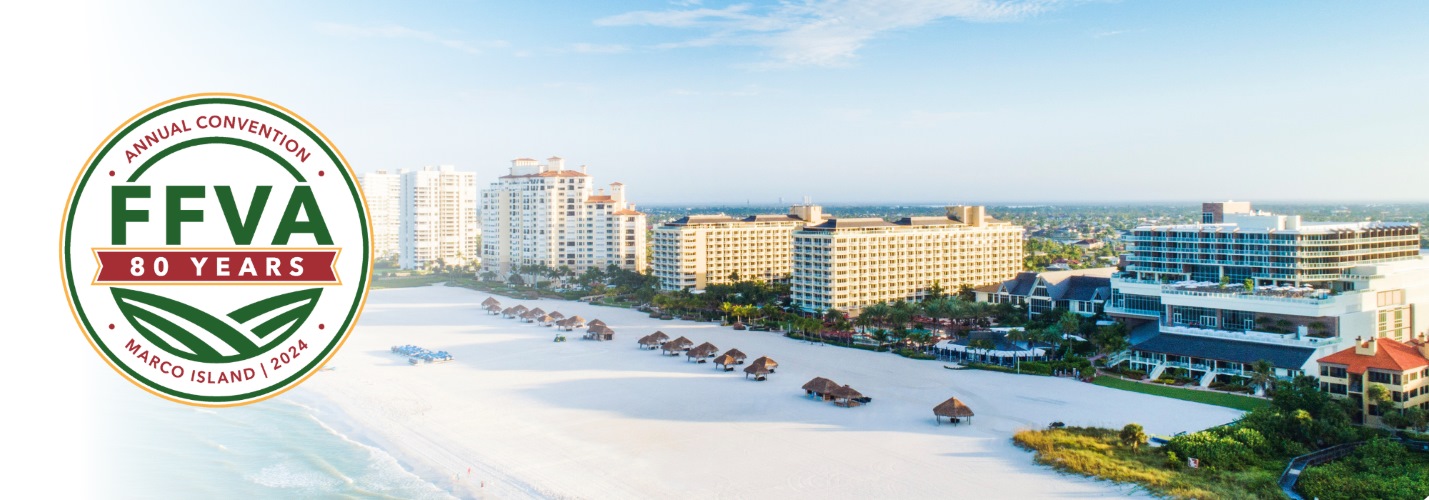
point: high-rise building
(438, 218)
(698, 250)
(383, 192)
(544, 214)
(1211, 299)
(847, 264)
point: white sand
(607, 420)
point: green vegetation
(381, 282)
(1240, 460)
(1117, 455)
(1245, 403)
(1380, 468)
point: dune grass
(1243, 403)
(1098, 453)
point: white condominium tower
(698, 250)
(438, 219)
(848, 264)
(383, 192)
(1210, 299)
(545, 214)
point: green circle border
(347, 323)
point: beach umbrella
(520, 309)
(708, 349)
(659, 335)
(845, 393)
(724, 361)
(538, 312)
(557, 315)
(490, 301)
(682, 343)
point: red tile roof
(1391, 355)
(598, 199)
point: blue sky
(878, 101)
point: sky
(960, 101)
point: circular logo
(216, 249)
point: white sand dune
(587, 419)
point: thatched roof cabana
(660, 336)
(737, 354)
(759, 371)
(649, 342)
(576, 321)
(557, 315)
(493, 309)
(820, 387)
(845, 396)
(709, 349)
(725, 362)
(544, 320)
(953, 409)
(701, 352)
(764, 360)
(538, 312)
(671, 348)
(490, 301)
(596, 322)
(683, 343)
(605, 333)
(509, 312)
(520, 309)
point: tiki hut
(671, 348)
(490, 301)
(557, 315)
(595, 323)
(725, 363)
(820, 387)
(759, 371)
(509, 312)
(701, 352)
(737, 354)
(764, 360)
(955, 410)
(493, 309)
(545, 320)
(649, 342)
(575, 322)
(846, 397)
(538, 312)
(738, 326)
(683, 344)
(660, 336)
(604, 333)
(528, 316)
(520, 309)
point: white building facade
(545, 214)
(383, 192)
(1242, 286)
(848, 264)
(438, 224)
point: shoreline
(604, 419)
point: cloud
(592, 48)
(396, 31)
(825, 33)
(1107, 33)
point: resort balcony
(1251, 336)
(1125, 311)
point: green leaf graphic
(194, 348)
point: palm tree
(1378, 395)
(833, 315)
(728, 310)
(983, 345)
(877, 313)
(1262, 374)
(1133, 435)
(1018, 335)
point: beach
(517, 415)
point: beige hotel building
(847, 264)
(543, 213)
(699, 250)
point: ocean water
(272, 449)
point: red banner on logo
(174, 266)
